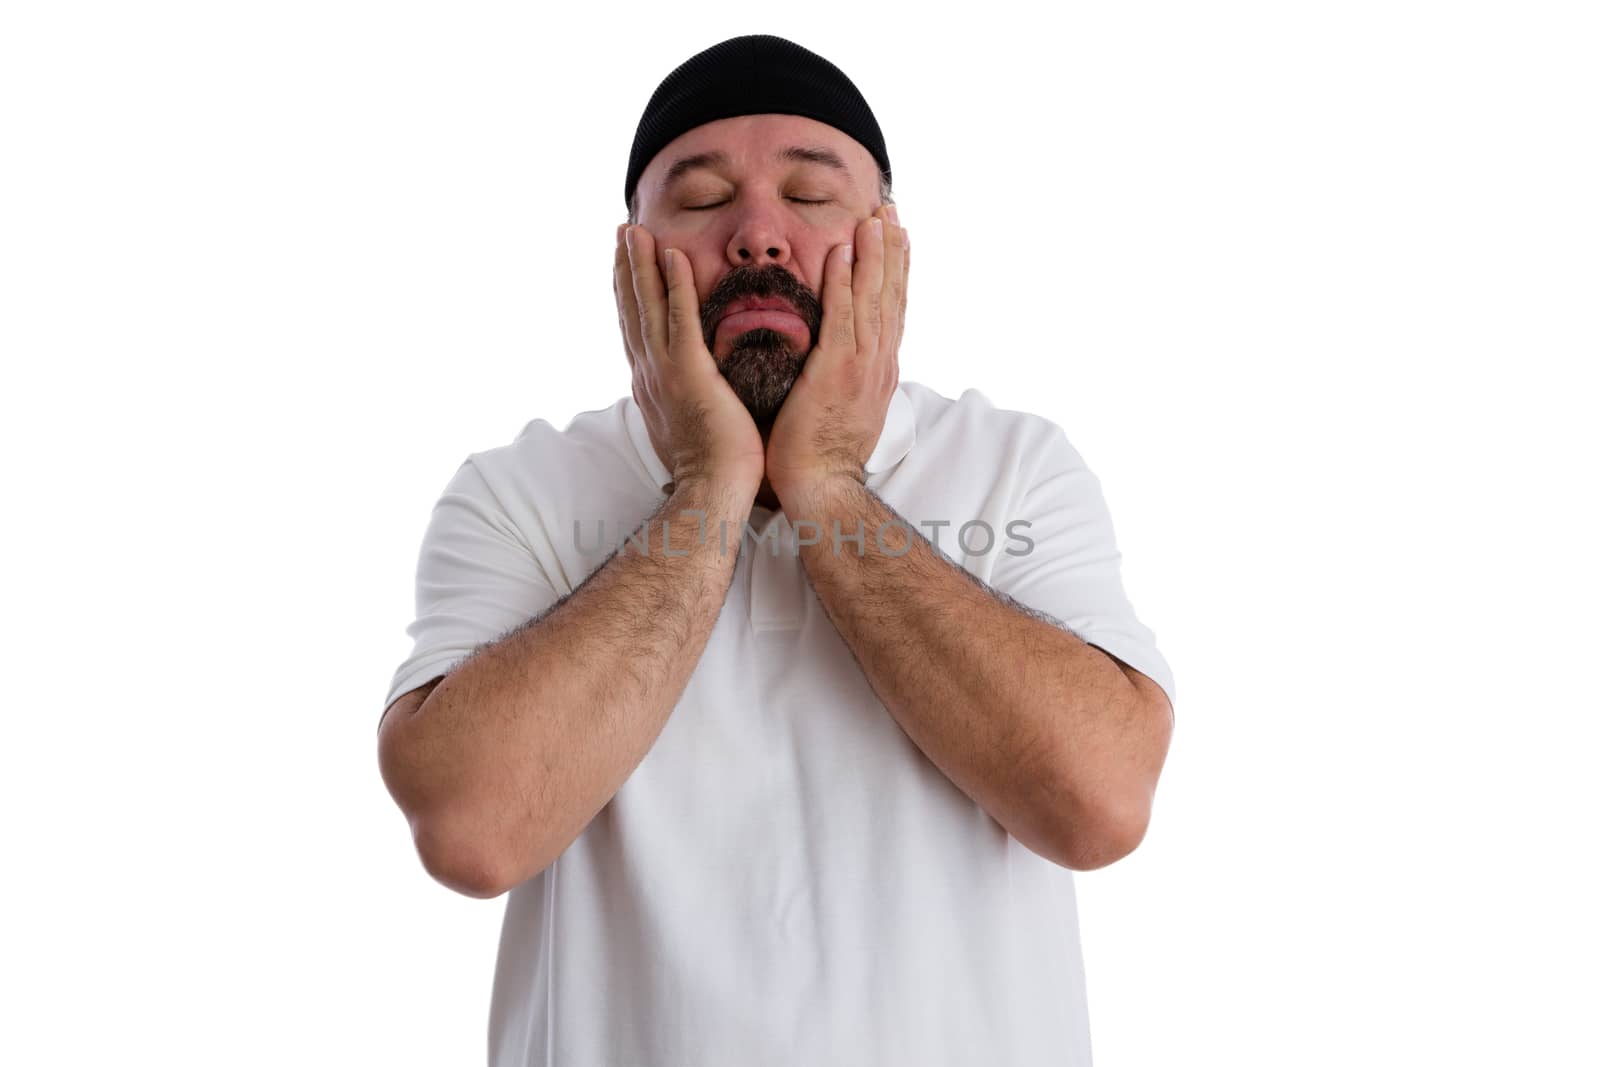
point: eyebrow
(827, 157)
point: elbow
(469, 854)
(1099, 835)
(1099, 826)
(459, 859)
(455, 846)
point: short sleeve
(476, 580)
(1069, 566)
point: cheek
(813, 265)
(815, 257)
(703, 260)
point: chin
(762, 367)
(766, 340)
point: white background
(1313, 288)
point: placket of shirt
(777, 581)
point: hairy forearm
(519, 747)
(1041, 730)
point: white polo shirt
(785, 879)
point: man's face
(757, 225)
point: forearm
(518, 748)
(1041, 730)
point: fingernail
(894, 216)
(877, 227)
(629, 232)
(849, 253)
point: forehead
(756, 143)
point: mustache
(768, 281)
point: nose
(758, 240)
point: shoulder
(593, 449)
(970, 429)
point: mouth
(758, 304)
(770, 318)
(768, 312)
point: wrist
(714, 491)
(818, 494)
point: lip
(760, 303)
(771, 318)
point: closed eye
(719, 203)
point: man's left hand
(834, 414)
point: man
(778, 780)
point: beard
(762, 368)
(763, 364)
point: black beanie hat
(754, 75)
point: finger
(838, 333)
(895, 255)
(648, 291)
(905, 288)
(686, 341)
(866, 281)
(627, 305)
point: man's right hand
(698, 425)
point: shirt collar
(899, 434)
